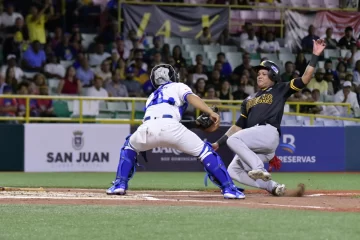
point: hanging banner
(186, 22)
(297, 25)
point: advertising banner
(312, 149)
(186, 22)
(73, 147)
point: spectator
(54, 69)
(318, 82)
(199, 61)
(38, 81)
(248, 85)
(11, 62)
(75, 42)
(99, 56)
(173, 63)
(23, 89)
(104, 71)
(322, 110)
(251, 44)
(245, 34)
(120, 47)
(346, 95)
(121, 66)
(301, 63)
(240, 94)
(269, 44)
(307, 41)
(35, 22)
(34, 58)
(225, 38)
(16, 38)
(215, 80)
(156, 59)
(2, 84)
(138, 62)
(177, 55)
(165, 53)
(199, 87)
(10, 78)
(64, 50)
(134, 87)
(70, 84)
(8, 106)
(199, 74)
(44, 107)
(347, 41)
(356, 73)
(263, 32)
(225, 65)
(184, 76)
(58, 37)
(287, 76)
(238, 71)
(341, 69)
(97, 90)
(205, 38)
(329, 69)
(158, 45)
(115, 57)
(84, 73)
(225, 92)
(77, 62)
(9, 17)
(211, 94)
(331, 43)
(116, 87)
(329, 78)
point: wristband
(222, 140)
(313, 60)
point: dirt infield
(339, 201)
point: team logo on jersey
(78, 140)
(265, 98)
(288, 143)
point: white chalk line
(332, 194)
(148, 198)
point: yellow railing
(235, 7)
(232, 105)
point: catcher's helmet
(274, 71)
(162, 74)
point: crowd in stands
(39, 62)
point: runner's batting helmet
(273, 69)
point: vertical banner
(174, 21)
(73, 147)
(312, 149)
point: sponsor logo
(288, 145)
(275, 69)
(78, 140)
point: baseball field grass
(165, 222)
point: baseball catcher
(161, 127)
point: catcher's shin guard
(217, 172)
(126, 169)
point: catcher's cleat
(259, 174)
(118, 188)
(279, 190)
(232, 193)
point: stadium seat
(281, 41)
(285, 50)
(89, 108)
(331, 3)
(254, 62)
(319, 123)
(293, 122)
(289, 117)
(350, 123)
(212, 48)
(189, 41)
(87, 39)
(53, 83)
(117, 106)
(315, 4)
(226, 118)
(331, 53)
(345, 53)
(61, 108)
(66, 63)
(226, 49)
(302, 118)
(194, 48)
(103, 106)
(212, 56)
(299, 3)
(270, 56)
(332, 123)
(284, 57)
(104, 115)
(29, 75)
(172, 40)
(321, 64)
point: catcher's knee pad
(127, 162)
(215, 168)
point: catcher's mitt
(204, 121)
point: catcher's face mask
(162, 74)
